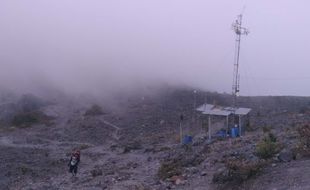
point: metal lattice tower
(239, 30)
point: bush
(26, 119)
(30, 103)
(243, 170)
(133, 145)
(237, 171)
(94, 110)
(174, 165)
(304, 133)
(304, 138)
(169, 168)
(96, 172)
(268, 147)
(271, 137)
(25, 170)
(83, 147)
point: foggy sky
(110, 45)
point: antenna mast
(239, 30)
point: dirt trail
(116, 132)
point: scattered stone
(162, 122)
(203, 173)
(286, 156)
(192, 170)
(177, 180)
(298, 156)
(221, 176)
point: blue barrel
(234, 132)
(187, 139)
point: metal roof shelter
(209, 109)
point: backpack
(74, 161)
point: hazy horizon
(100, 47)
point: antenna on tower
(239, 30)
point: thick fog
(102, 46)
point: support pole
(194, 114)
(240, 127)
(181, 132)
(227, 125)
(209, 127)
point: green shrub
(83, 147)
(169, 168)
(271, 137)
(268, 147)
(237, 171)
(96, 172)
(94, 110)
(174, 165)
(304, 133)
(240, 171)
(26, 119)
(30, 103)
(23, 169)
(133, 145)
(304, 138)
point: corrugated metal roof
(242, 111)
(205, 107)
(210, 109)
(217, 112)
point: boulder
(286, 156)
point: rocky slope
(135, 144)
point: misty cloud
(99, 46)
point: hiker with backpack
(74, 162)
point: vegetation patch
(83, 147)
(25, 170)
(170, 168)
(174, 166)
(304, 138)
(94, 110)
(29, 103)
(134, 145)
(237, 171)
(26, 119)
(96, 172)
(241, 170)
(268, 147)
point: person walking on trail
(74, 162)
